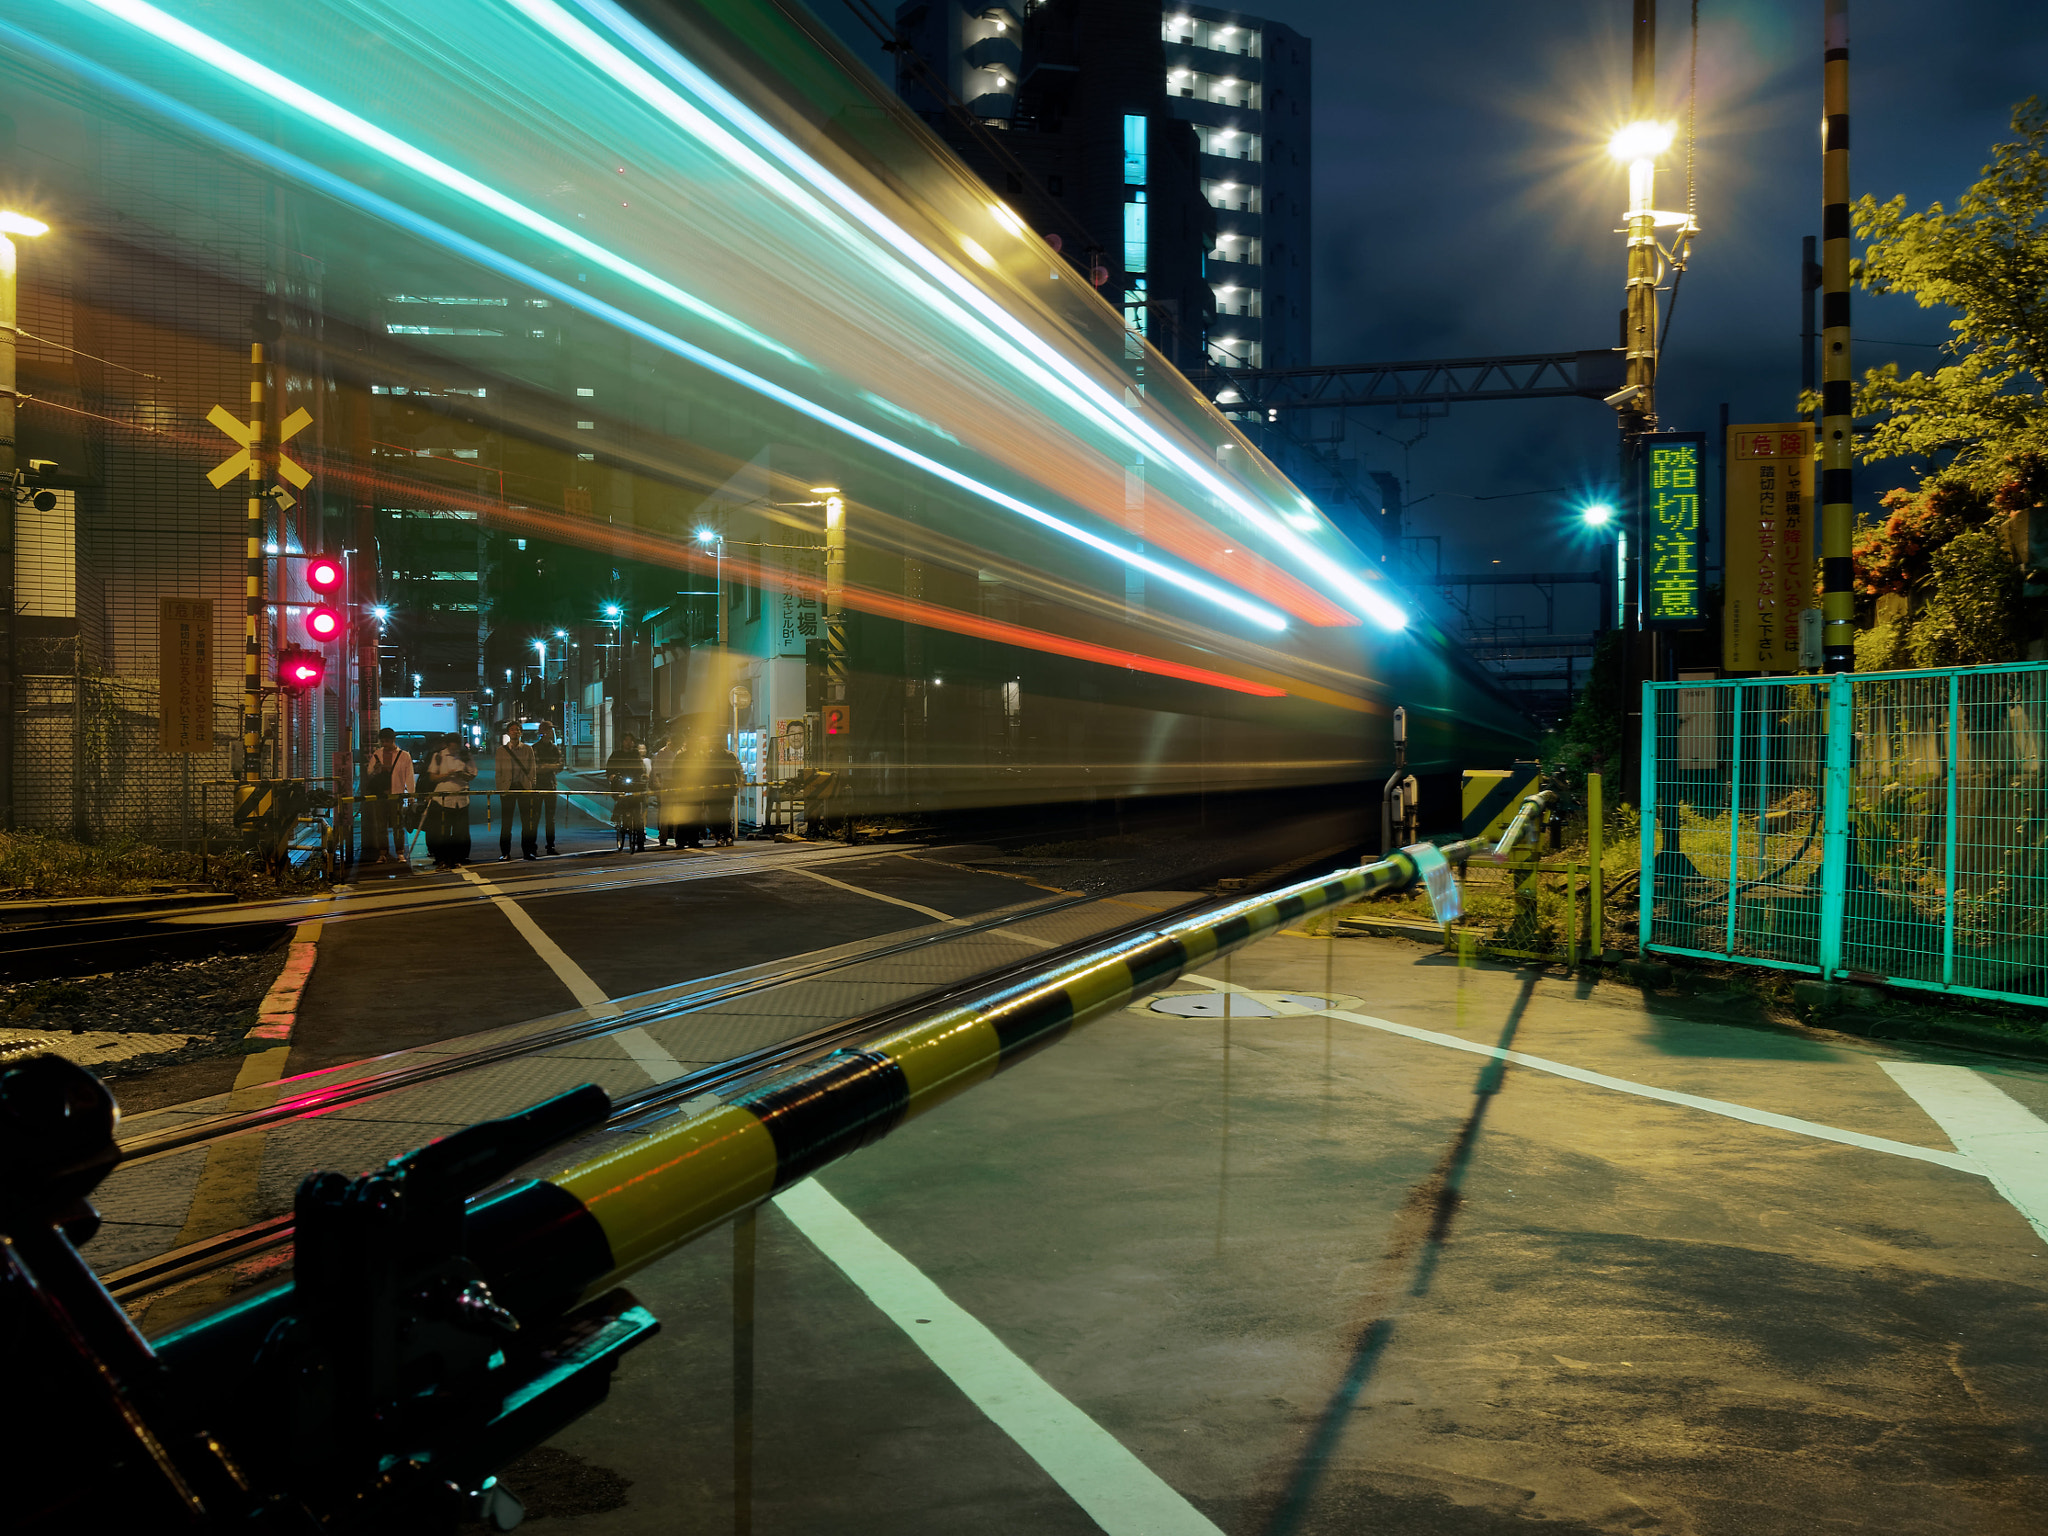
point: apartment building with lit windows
(1171, 144)
(1242, 82)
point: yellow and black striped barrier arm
(545, 1243)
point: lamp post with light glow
(11, 224)
(1599, 518)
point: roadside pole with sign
(1769, 551)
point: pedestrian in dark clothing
(449, 771)
(626, 773)
(515, 770)
(547, 765)
(722, 780)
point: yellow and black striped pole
(546, 1243)
(1837, 443)
(252, 612)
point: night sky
(1465, 203)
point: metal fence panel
(1886, 825)
(87, 763)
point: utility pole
(253, 616)
(1639, 412)
(1638, 146)
(1837, 442)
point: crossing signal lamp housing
(300, 670)
(324, 623)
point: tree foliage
(1945, 547)
(1988, 261)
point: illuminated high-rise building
(1173, 142)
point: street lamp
(1599, 517)
(716, 541)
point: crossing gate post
(1596, 815)
(1646, 879)
(1836, 787)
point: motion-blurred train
(654, 339)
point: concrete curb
(279, 1013)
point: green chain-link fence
(1890, 826)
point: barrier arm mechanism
(429, 1337)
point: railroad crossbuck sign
(244, 434)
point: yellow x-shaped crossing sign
(244, 435)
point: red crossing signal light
(323, 623)
(300, 670)
(323, 574)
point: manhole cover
(1238, 1005)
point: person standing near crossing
(387, 779)
(514, 765)
(449, 771)
(547, 767)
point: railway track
(632, 1110)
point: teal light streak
(242, 68)
(297, 169)
(1042, 363)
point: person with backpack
(388, 779)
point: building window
(1134, 151)
(1134, 235)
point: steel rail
(633, 1110)
(319, 1101)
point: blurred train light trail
(190, 40)
(1050, 363)
(305, 171)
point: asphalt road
(1312, 1275)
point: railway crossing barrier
(1877, 827)
(429, 1337)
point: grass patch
(36, 865)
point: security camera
(1623, 395)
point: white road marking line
(642, 1047)
(1117, 1490)
(2006, 1140)
(1022, 938)
(587, 993)
(1665, 1095)
(894, 901)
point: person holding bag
(387, 779)
(449, 771)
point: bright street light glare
(12, 223)
(611, 610)
(1598, 515)
(1642, 141)
(707, 535)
